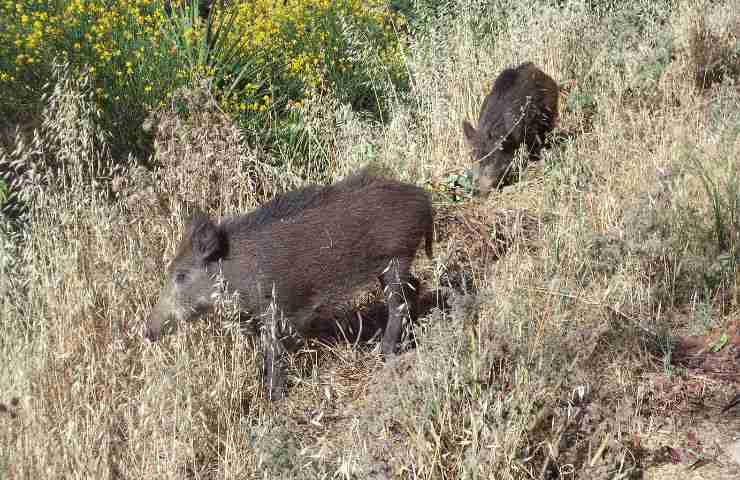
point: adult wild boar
(521, 109)
(311, 247)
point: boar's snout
(152, 334)
(153, 329)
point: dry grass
(555, 358)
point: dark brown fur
(521, 109)
(315, 246)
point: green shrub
(348, 48)
(119, 44)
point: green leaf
(719, 344)
(4, 191)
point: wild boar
(521, 109)
(302, 250)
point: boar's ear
(209, 241)
(471, 136)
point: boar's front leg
(395, 280)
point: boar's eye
(180, 277)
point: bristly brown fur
(304, 250)
(521, 109)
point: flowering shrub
(137, 55)
(117, 43)
(347, 46)
(110, 38)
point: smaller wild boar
(312, 247)
(521, 109)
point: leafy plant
(4, 192)
(118, 45)
(348, 48)
(456, 187)
(723, 191)
(209, 48)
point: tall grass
(549, 365)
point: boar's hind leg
(399, 296)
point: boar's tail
(429, 239)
